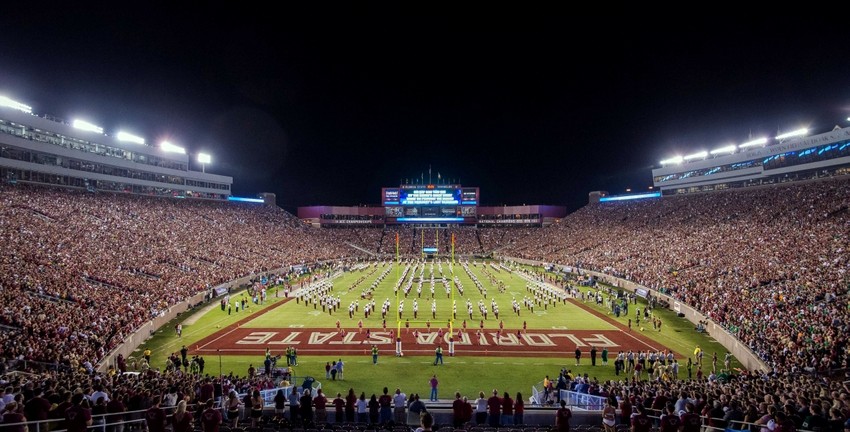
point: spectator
(563, 416)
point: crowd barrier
(742, 352)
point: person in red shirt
(519, 409)
(339, 405)
(38, 407)
(467, 411)
(457, 411)
(386, 403)
(562, 417)
(494, 409)
(12, 414)
(207, 390)
(211, 417)
(625, 411)
(155, 418)
(350, 402)
(78, 417)
(116, 408)
(660, 402)
(670, 422)
(691, 421)
(641, 422)
(320, 403)
(507, 409)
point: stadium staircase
(366, 251)
(381, 240)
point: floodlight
(204, 158)
(753, 143)
(700, 155)
(728, 149)
(86, 126)
(124, 136)
(672, 160)
(6, 102)
(171, 148)
(794, 133)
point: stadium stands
(106, 263)
(770, 264)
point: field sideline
(475, 368)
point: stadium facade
(48, 150)
(767, 162)
(432, 206)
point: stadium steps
(361, 249)
(381, 240)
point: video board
(427, 197)
(430, 204)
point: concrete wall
(742, 352)
(147, 329)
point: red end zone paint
(534, 343)
(237, 340)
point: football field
(538, 329)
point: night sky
(326, 106)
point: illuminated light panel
(630, 197)
(250, 200)
(86, 126)
(700, 155)
(6, 102)
(204, 158)
(426, 219)
(753, 143)
(727, 149)
(793, 133)
(124, 136)
(672, 160)
(171, 148)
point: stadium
(360, 219)
(166, 282)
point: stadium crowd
(769, 264)
(107, 263)
(747, 402)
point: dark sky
(326, 106)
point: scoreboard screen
(437, 196)
(390, 196)
(430, 204)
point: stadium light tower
(86, 126)
(794, 133)
(171, 148)
(728, 149)
(6, 102)
(672, 160)
(204, 159)
(753, 143)
(700, 155)
(124, 136)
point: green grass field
(466, 374)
